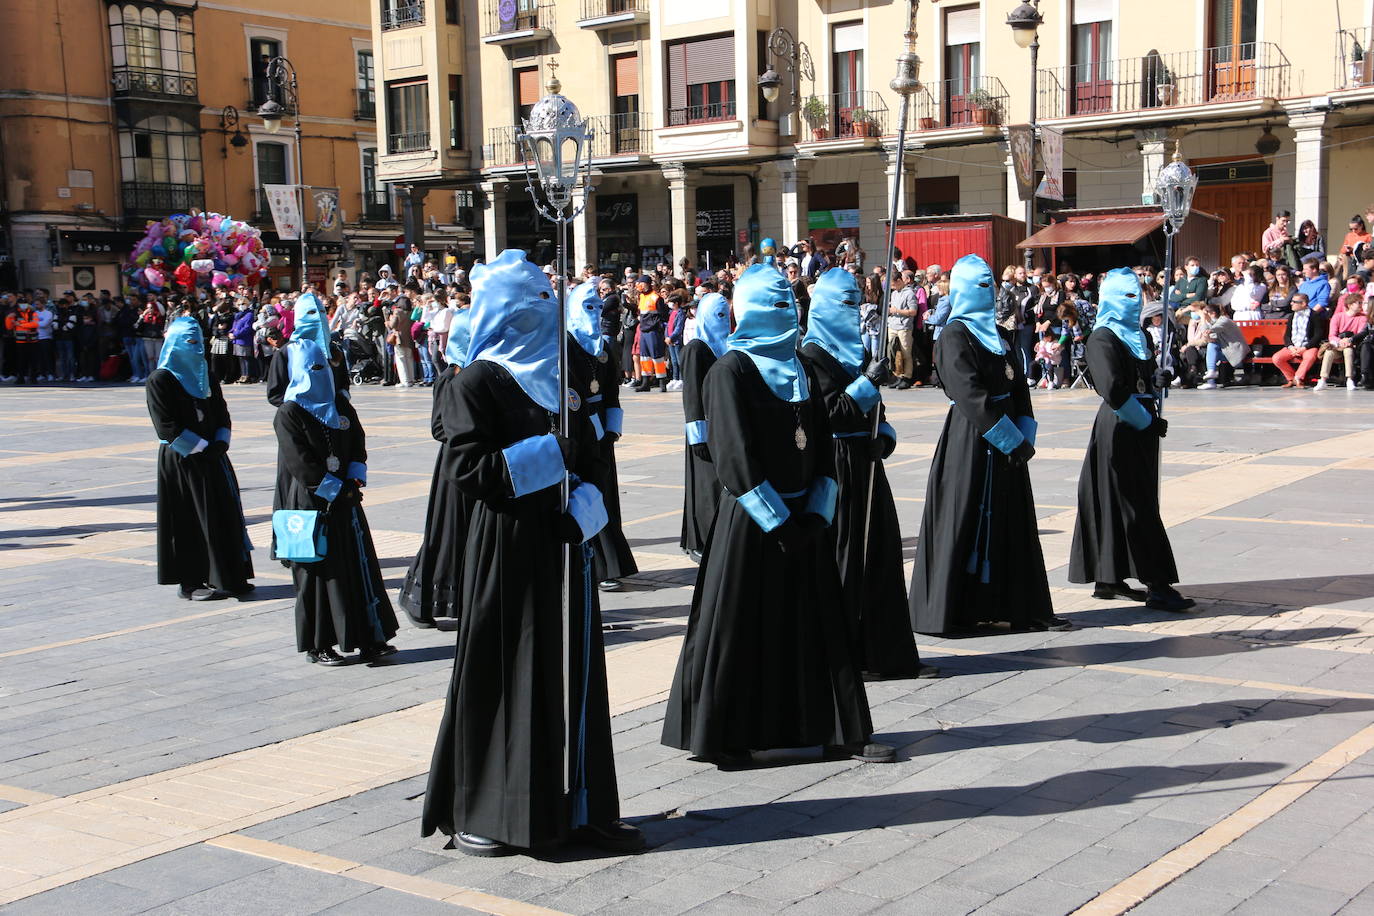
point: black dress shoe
(694, 556)
(242, 591)
(1110, 590)
(377, 651)
(609, 585)
(474, 845)
(1165, 598)
(927, 672)
(327, 657)
(617, 836)
(189, 592)
(1055, 624)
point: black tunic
(430, 589)
(701, 486)
(978, 558)
(341, 600)
(611, 554)
(875, 593)
(1119, 532)
(201, 536)
(766, 662)
(497, 769)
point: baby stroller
(364, 367)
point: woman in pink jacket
(1347, 325)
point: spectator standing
(22, 325)
(902, 312)
(241, 337)
(677, 321)
(1309, 241)
(1014, 302)
(653, 356)
(1304, 335)
(399, 337)
(870, 314)
(64, 324)
(1277, 243)
(43, 312)
(88, 347)
(223, 366)
(1347, 327)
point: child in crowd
(1047, 355)
(677, 319)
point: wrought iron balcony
(153, 83)
(367, 105)
(156, 198)
(607, 14)
(510, 21)
(377, 206)
(701, 114)
(402, 15)
(845, 115)
(1354, 63)
(1230, 73)
(411, 142)
(959, 102)
(627, 134)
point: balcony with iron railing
(1231, 73)
(960, 103)
(845, 116)
(516, 21)
(367, 105)
(701, 114)
(613, 135)
(409, 142)
(157, 198)
(402, 15)
(377, 206)
(145, 82)
(261, 89)
(1354, 63)
(607, 14)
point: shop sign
(833, 219)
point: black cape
(430, 590)
(611, 554)
(978, 558)
(497, 769)
(766, 662)
(341, 600)
(1119, 532)
(875, 593)
(201, 535)
(701, 487)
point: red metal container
(945, 239)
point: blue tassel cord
(982, 541)
(579, 783)
(366, 571)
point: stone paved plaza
(162, 756)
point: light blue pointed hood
(312, 381)
(973, 301)
(713, 322)
(311, 321)
(584, 318)
(766, 330)
(515, 325)
(183, 355)
(459, 338)
(1118, 309)
(833, 322)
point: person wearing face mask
(202, 541)
(867, 540)
(1192, 289)
(766, 662)
(702, 488)
(1119, 533)
(978, 559)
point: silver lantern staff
(906, 83)
(558, 141)
(1174, 189)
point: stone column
(1155, 150)
(413, 213)
(1015, 206)
(682, 200)
(794, 177)
(907, 205)
(584, 232)
(493, 217)
(1311, 164)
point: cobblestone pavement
(160, 756)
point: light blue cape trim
(1028, 427)
(588, 508)
(1134, 414)
(615, 420)
(1004, 436)
(357, 470)
(821, 498)
(863, 392)
(885, 429)
(534, 464)
(329, 488)
(696, 432)
(187, 444)
(223, 434)
(765, 506)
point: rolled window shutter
(962, 27)
(627, 74)
(528, 85)
(849, 37)
(711, 60)
(677, 76)
(1085, 11)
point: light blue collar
(833, 322)
(766, 331)
(183, 355)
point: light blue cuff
(615, 420)
(1133, 414)
(329, 488)
(820, 499)
(223, 435)
(1028, 426)
(696, 432)
(885, 429)
(588, 509)
(533, 464)
(863, 393)
(357, 470)
(187, 444)
(765, 506)
(596, 425)
(1004, 436)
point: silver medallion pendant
(1011, 373)
(331, 463)
(344, 423)
(200, 415)
(800, 438)
(595, 386)
(1140, 386)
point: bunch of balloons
(189, 249)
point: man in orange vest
(23, 324)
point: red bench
(1263, 338)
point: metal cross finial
(553, 85)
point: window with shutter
(627, 74)
(526, 92)
(625, 132)
(701, 80)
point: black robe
(875, 593)
(430, 589)
(611, 554)
(766, 662)
(341, 600)
(1119, 532)
(497, 769)
(978, 558)
(201, 535)
(701, 488)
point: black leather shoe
(243, 591)
(189, 592)
(1164, 598)
(327, 657)
(609, 585)
(617, 836)
(377, 651)
(1055, 624)
(473, 845)
(1109, 590)
(927, 672)
(694, 556)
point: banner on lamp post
(328, 218)
(285, 205)
(1052, 154)
(1021, 139)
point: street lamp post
(796, 56)
(1025, 22)
(282, 73)
(1174, 189)
(558, 141)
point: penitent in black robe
(767, 661)
(611, 554)
(978, 559)
(201, 536)
(875, 593)
(430, 590)
(702, 487)
(341, 600)
(497, 769)
(1119, 533)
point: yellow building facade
(114, 113)
(1273, 100)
